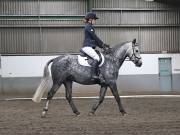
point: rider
(91, 40)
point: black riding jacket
(91, 39)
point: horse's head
(134, 53)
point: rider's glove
(105, 46)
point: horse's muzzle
(138, 63)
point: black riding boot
(95, 70)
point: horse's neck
(120, 55)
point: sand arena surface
(150, 116)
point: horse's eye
(137, 51)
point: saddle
(86, 60)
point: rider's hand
(106, 46)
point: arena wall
(22, 74)
(33, 31)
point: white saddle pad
(83, 61)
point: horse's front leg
(101, 99)
(115, 93)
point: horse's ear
(134, 41)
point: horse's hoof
(91, 114)
(123, 113)
(43, 115)
(77, 113)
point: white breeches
(91, 52)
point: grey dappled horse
(66, 70)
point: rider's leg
(92, 53)
(94, 69)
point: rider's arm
(95, 37)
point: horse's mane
(114, 48)
(119, 45)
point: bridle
(134, 56)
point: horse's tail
(43, 85)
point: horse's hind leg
(51, 93)
(101, 99)
(68, 86)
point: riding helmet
(91, 15)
